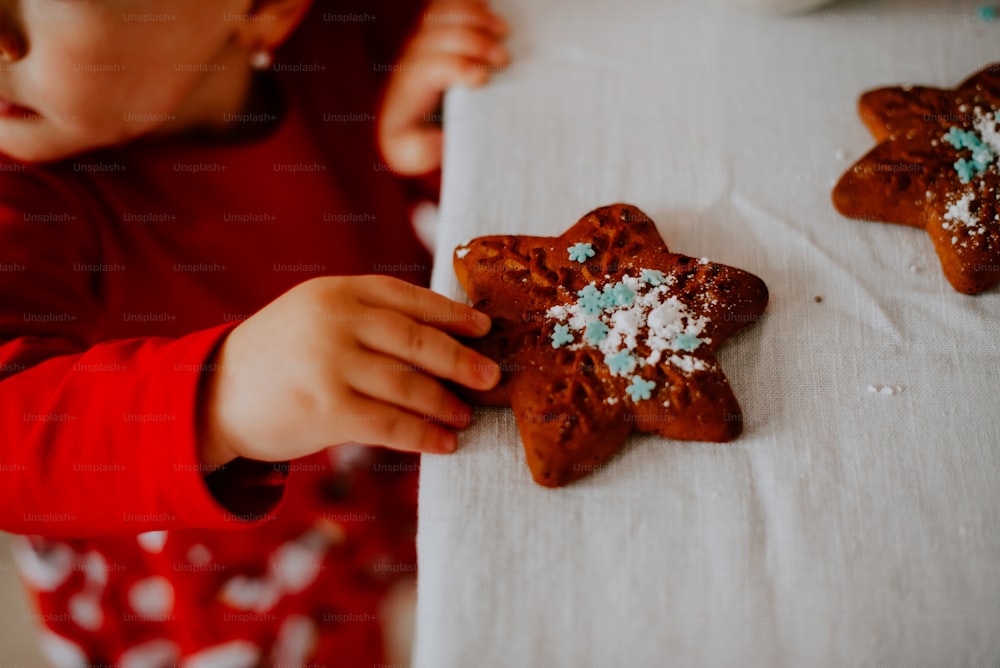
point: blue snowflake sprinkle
(962, 138)
(620, 363)
(954, 137)
(607, 299)
(966, 169)
(653, 276)
(987, 13)
(580, 252)
(640, 389)
(596, 332)
(687, 342)
(621, 295)
(591, 300)
(561, 336)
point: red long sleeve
(120, 273)
(95, 439)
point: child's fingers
(465, 13)
(431, 74)
(405, 385)
(424, 306)
(458, 44)
(379, 423)
(429, 348)
(415, 151)
(409, 145)
(459, 41)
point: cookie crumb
(818, 299)
(887, 390)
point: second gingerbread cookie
(603, 331)
(935, 167)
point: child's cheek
(97, 95)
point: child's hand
(457, 43)
(343, 359)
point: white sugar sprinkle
(687, 363)
(987, 129)
(959, 211)
(654, 318)
(462, 252)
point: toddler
(207, 278)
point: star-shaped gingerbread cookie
(603, 331)
(937, 167)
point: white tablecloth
(845, 527)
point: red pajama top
(121, 271)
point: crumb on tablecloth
(887, 390)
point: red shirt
(120, 274)
(123, 270)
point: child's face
(81, 74)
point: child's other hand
(343, 359)
(457, 43)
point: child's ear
(271, 22)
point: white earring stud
(261, 59)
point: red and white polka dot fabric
(304, 590)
